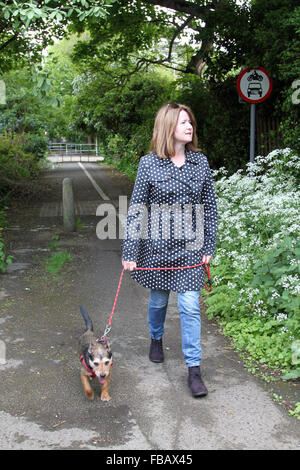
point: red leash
(207, 271)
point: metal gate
(73, 152)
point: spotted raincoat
(183, 194)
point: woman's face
(184, 129)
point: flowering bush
(257, 264)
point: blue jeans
(190, 320)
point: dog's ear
(107, 345)
(90, 352)
(91, 356)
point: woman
(172, 222)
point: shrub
(257, 267)
(125, 154)
(35, 144)
(16, 165)
(122, 118)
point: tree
(211, 40)
(41, 99)
(152, 32)
(26, 28)
(106, 111)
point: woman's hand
(206, 259)
(128, 265)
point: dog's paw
(105, 397)
(90, 394)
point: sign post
(252, 132)
(254, 86)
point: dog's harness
(82, 360)
(108, 326)
(93, 375)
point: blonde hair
(164, 127)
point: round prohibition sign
(254, 85)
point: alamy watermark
(2, 92)
(2, 353)
(296, 352)
(296, 93)
(156, 222)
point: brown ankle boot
(195, 382)
(156, 353)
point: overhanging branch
(183, 7)
(6, 43)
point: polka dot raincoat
(171, 221)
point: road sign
(254, 85)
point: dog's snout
(102, 376)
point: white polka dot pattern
(159, 186)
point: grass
(55, 263)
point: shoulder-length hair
(164, 127)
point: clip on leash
(108, 326)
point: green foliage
(15, 163)
(40, 99)
(32, 102)
(35, 144)
(236, 34)
(256, 268)
(296, 411)
(276, 33)
(55, 263)
(123, 155)
(122, 118)
(25, 109)
(4, 259)
(276, 276)
(218, 116)
(26, 28)
(133, 33)
(136, 36)
(17, 167)
(289, 68)
(292, 374)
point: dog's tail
(88, 321)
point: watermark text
(2, 92)
(155, 222)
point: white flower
(283, 330)
(275, 294)
(280, 316)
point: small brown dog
(96, 359)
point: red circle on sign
(246, 98)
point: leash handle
(207, 270)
